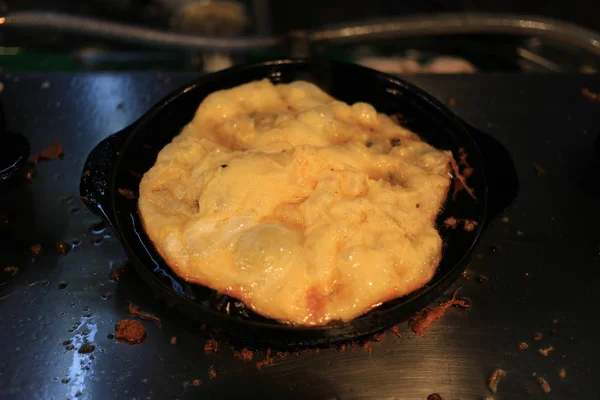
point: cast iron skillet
(119, 161)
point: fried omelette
(307, 209)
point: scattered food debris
(523, 346)
(342, 347)
(36, 249)
(496, 376)
(452, 223)
(212, 373)
(245, 355)
(544, 385)
(173, 340)
(555, 321)
(86, 348)
(562, 373)
(424, 318)
(87, 172)
(130, 331)
(127, 193)
(63, 248)
(196, 382)
(450, 101)
(135, 310)
(506, 220)
(591, 96)
(538, 169)
(546, 351)
(379, 337)
(52, 152)
(45, 85)
(520, 233)
(395, 330)
(212, 346)
(537, 336)
(12, 270)
(435, 396)
(368, 346)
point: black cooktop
(534, 278)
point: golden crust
(303, 207)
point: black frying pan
(119, 160)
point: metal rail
(421, 25)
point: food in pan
(307, 209)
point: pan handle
(97, 173)
(500, 174)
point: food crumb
(135, 310)
(523, 346)
(546, 351)
(12, 269)
(267, 361)
(395, 330)
(212, 373)
(86, 349)
(450, 222)
(368, 346)
(196, 382)
(451, 101)
(537, 336)
(130, 331)
(212, 346)
(173, 340)
(424, 318)
(562, 373)
(495, 378)
(544, 385)
(127, 193)
(45, 85)
(245, 355)
(435, 396)
(555, 321)
(36, 249)
(470, 225)
(591, 96)
(62, 248)
(379, 337)
(520, 233)
(538, 169)
(52, 152)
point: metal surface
(535, 273)
(422, 25)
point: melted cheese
(306, 208)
